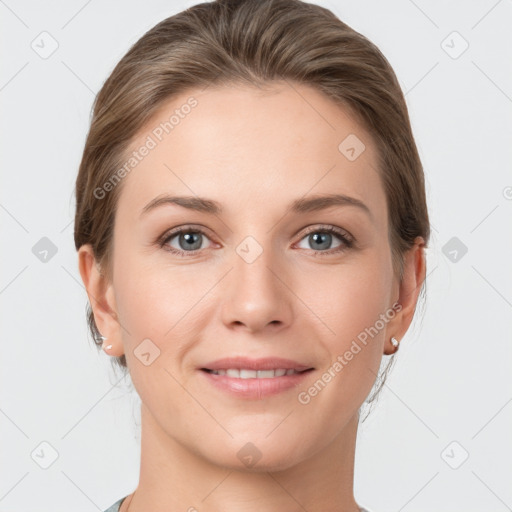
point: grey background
(450, 391)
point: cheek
(350, 299)
(157, 301)
(143, 297)
(353, 301)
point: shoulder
(116, 505)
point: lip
(266, 363)
(254, 389)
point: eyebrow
(302, 205)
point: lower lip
(255, 389)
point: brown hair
(251, 42)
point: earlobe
(100, 296)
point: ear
(408, 292)
(102, 299)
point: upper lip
(266, 363)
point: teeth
(254, 374)
(265, 374)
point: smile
(254, 374)
(255, 384)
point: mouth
(249, 384)
(255, 379)
(246, 373)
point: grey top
(117, 504)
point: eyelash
(347, 240)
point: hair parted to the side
(254, 43)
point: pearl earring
(108, 347)
(395, 343)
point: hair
(253, 43)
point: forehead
(250, 148)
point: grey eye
(320, 240)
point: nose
(257, 297)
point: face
(261, 276)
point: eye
(189, 240)
(321, 238)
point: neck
(174, 477)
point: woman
(251, 223)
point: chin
(259, 455)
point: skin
(254, 152)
